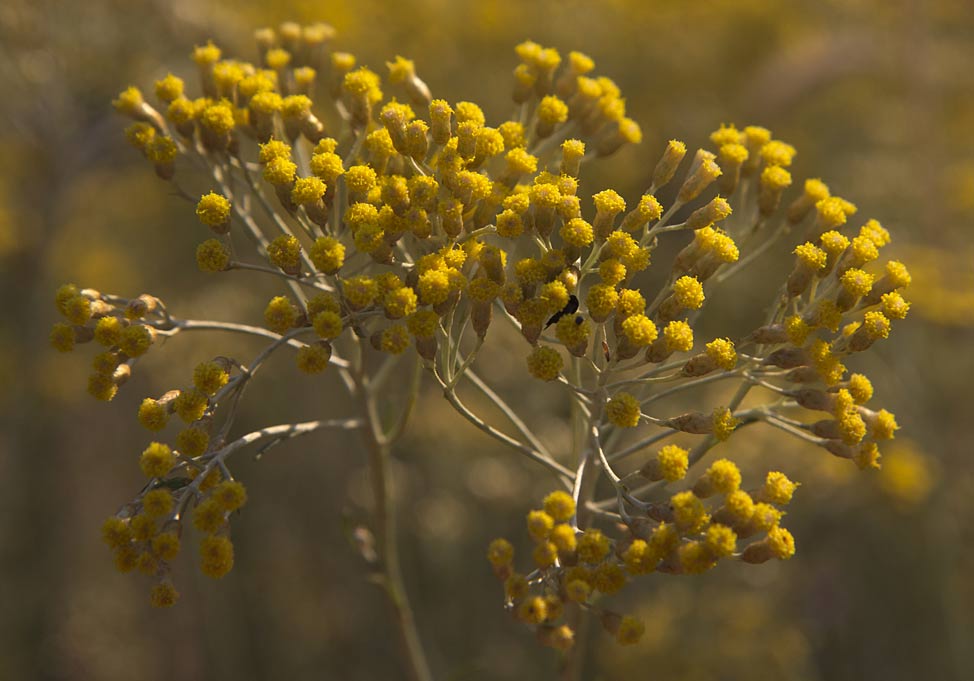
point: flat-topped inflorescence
(396, 220)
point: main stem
(379, 443)
(574, 660)
(385, 530)
(585, 482)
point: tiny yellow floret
(135, 340)
(673, 462)
(811, 256)
(724, 423)
(721, 351)
(229, 495)
(285, 252)
(593, 546)
(313, 359)
(209, 377)
(280, 315)
(678, 336)
(689, 514)
(212, 256)
(545, 363)
(157, 503)
(156, 460)
(639, 330)
(688, 292)
(608, 578)
(563, 537)
(778, 489)
(190, 405)
(533, 610)
(559, 505)
(500, 553)
(720, 541)
(630, 631)
(163, 595)
(777, 153)
(193, 442)
(216, 556)
(722, 477)
(781, 543)
(307, 190)
(153, 415)
(623, 411)
(280, 171)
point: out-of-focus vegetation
(877, 96)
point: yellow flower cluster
(409, 185)
(402, 220)
(118, 326)
(575, 568)
(145, 535)
(182, 476)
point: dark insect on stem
(172, 483)
(570, 307)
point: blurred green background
(878, 97)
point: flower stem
(384, 523)
(385, 529)
(583, 492)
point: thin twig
(564, 474)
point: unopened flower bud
(668, 163)
(702, 174)
(774, 181)
(778, 544)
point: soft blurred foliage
(877, 95)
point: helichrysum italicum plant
(403, 228)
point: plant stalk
(385, 530)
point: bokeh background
(878, 96)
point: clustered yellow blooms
(118, 326)
(684, 535)
(404, 214)
(146, 533)
(453, 189)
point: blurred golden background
(878, 97)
